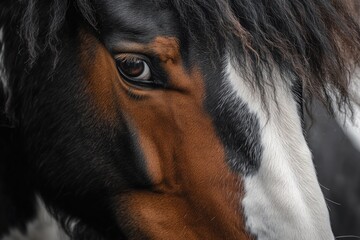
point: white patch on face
(352, 128)
(43, 227)
(283, 200)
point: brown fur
(194, 193)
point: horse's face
(144, 79)
(166, 138)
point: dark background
(337, 162)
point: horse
(172, 119)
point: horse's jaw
(283, 199)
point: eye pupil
(135, 69)
(132, 68)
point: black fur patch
(237, 128)
(77, 162)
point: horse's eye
(134, 69)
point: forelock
(315, 42)
(42, 22)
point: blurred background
(337, 161)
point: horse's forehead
(135, 20)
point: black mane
(315, 41)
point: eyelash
(156, 78)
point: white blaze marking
(283, 200)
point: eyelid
(131, 56)
(158, 76)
